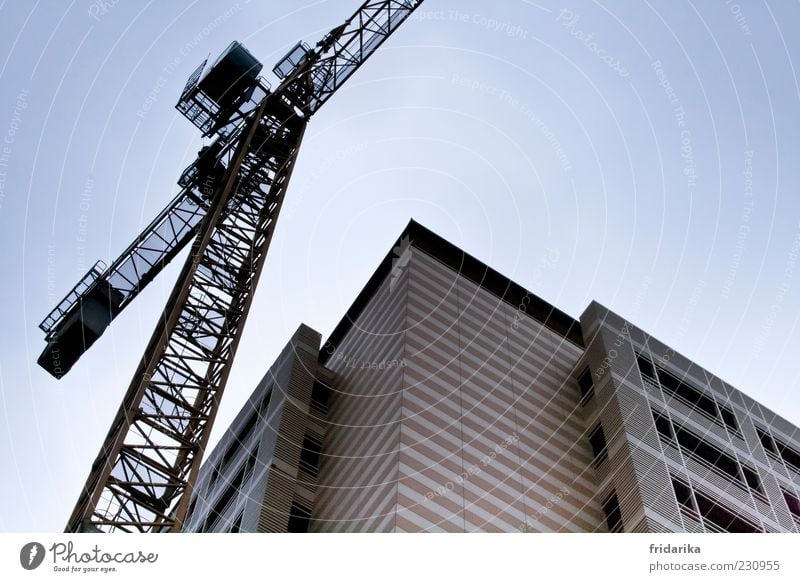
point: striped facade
(255, 479)
(475, 430)
(450, 399)
(685, 450)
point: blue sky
(650, 147)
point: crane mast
(232, 195)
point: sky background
(641, 154)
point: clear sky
(649, 146)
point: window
(262, 409)
(598, 441)
(697, 447)
(683, 493)
(779, 449)
(730, 420)
(723, 463)
(767, 442)
(751, 477)
(613, 513)
(586, 385)
(237, 524)
(238, 442)
(310, 454)
(251, 462)
(718, 518)
(646, 367)
(320, 395)
(299, 518)
(689, 394)
(192, 505)
(224, 500)
(789, 456)
(793, 503)
(663, 426)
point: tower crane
(228, 205)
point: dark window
(794, 504)
(237, 524)
(224, 500)
(215, 473)
(646, 367)
(751, 476)
(310, 455)
(718, 517)
(663, 426)
(238, 441)
(192, 505)
(586, 385)
(689, 394)
(598, 442)
(729, 419)
(250, 464)
(613, 513)
(766, 441)
(320, 395)
(245, 431)
(708, 452)
(299, 518)
(683, 493)
(790, 456)
(265, 403)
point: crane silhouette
(230, 200)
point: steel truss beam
(153, 450)
(142, 478)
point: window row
(613, 513)
(231, 492)
(714, 516)
(240, 440)
(779, 449)
(311, 454)
(685, 392)
(698, 448)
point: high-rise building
(449, 398)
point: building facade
(450, 399)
